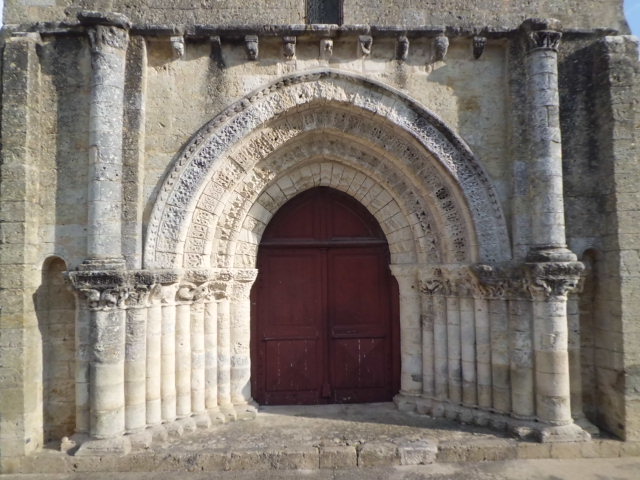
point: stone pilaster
(240, 333)
(108, 38)
(547, 242)
(411, 336)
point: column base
(202, 420)
(406, 402)
(107, 446)
(140, 440)
(563, 433)
(158, 433)
(216, 416)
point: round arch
(230, 177)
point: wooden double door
(324, 306)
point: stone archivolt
(228, 148)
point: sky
(632, 11)
(631, 8)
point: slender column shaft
(454, 370)
(483, 351)
(108, 52)
(183, 360)
(440, 347)
(168, 369)
(498, 317)
(135, 365)
(211, 354)
(521, 365)
(224, 354)
(154, 359)
(468, 350)
(197, 358)
(428, 320)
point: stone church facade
(147, 147)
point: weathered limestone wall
(184, 93)
(617, 348)
(410, 13)
(20, 261)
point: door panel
(324, 313)
(290, 338)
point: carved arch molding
(429, 193)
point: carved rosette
(552, 279)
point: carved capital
(107, 36)
(105, 298)
(552, 279)
(496, 283)
(168, 294)
(289, 47)
(138, 296)
(542, 34)
(243, 280)
(191, 293)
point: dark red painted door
(324, 306)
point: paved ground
(585, 469)
(344, 442)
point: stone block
(417, 453)
(338, 456)
(378, 454)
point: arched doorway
(325, 308)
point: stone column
(108, 37)
(198, 406)
(549, 284)
(104, 294)
(154, 358)
(185, 296)
(548, 242)
(136, 359)
(468, 343)
(410, 337)
(168, 349)
(521, 359)
(223, 287)
(240, 336)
